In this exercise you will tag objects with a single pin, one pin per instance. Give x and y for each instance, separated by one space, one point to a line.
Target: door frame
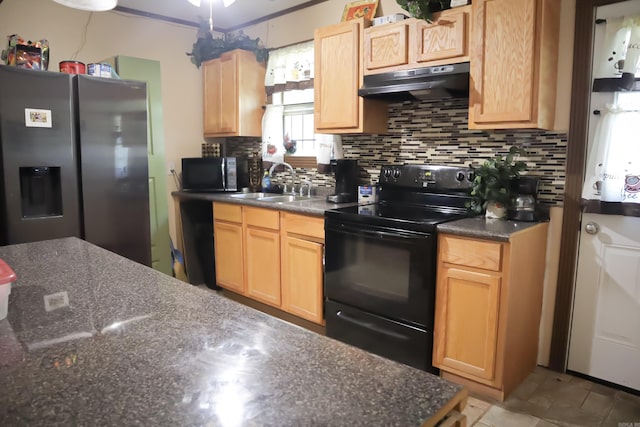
576 158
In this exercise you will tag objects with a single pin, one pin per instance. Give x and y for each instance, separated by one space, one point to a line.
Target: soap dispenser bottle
266 182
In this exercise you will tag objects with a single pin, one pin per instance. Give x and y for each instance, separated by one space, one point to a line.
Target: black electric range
380 261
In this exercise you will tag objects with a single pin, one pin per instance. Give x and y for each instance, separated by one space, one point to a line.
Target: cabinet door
302 278
466 323
220 95
229 255
502 60
444 38
212 87
229 94
386 46
263 265
337 76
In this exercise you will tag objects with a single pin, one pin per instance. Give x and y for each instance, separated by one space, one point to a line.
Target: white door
605 328
605 333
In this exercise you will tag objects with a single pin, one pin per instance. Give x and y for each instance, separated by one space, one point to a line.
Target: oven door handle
371 326
395 234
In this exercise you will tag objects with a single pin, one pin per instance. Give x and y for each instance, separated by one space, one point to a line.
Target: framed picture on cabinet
360 9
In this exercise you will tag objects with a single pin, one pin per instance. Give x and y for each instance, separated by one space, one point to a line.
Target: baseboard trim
282 315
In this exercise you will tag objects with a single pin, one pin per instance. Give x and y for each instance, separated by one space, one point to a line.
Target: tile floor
547 398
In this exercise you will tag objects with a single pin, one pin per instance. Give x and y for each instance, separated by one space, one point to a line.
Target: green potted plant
491 188
207 47
422 9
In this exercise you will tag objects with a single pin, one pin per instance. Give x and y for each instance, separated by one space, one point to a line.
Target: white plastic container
389 19
367 194
7 276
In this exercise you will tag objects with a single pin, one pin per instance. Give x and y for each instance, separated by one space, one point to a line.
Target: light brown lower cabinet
488 307
275 257
229 247
261 228
302 272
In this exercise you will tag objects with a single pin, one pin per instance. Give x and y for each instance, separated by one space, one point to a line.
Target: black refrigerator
73 154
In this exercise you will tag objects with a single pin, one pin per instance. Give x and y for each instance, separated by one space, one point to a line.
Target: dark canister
255 172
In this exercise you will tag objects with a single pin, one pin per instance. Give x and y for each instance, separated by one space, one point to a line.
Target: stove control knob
471 176
460 176
387 173
396 173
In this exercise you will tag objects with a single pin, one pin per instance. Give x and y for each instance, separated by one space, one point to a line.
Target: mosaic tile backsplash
436 132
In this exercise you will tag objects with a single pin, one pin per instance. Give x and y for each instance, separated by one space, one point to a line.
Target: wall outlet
171 166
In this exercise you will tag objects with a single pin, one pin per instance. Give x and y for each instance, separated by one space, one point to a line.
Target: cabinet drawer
471 253
264 218
226 212
303 225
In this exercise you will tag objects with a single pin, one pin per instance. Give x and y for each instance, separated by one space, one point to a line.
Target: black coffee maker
347 178
525 206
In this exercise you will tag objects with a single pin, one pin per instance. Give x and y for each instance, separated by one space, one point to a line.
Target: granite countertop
315 206
481 227
95 339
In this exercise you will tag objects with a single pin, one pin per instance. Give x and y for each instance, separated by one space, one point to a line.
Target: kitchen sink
252 195
275 198
287 198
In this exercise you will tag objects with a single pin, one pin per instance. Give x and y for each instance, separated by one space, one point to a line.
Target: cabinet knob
592 228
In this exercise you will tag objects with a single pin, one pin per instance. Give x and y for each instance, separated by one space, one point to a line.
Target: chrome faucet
306 182
293 175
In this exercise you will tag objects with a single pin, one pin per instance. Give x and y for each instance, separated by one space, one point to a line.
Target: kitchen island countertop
95 339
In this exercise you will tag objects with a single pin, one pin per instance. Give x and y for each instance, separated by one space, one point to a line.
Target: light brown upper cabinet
338 76
514 57
415 43
234 95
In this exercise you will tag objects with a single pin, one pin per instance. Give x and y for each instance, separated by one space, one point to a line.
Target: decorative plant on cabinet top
422 9
207 47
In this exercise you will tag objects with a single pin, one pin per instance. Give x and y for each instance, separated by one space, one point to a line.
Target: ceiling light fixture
197 3
89 5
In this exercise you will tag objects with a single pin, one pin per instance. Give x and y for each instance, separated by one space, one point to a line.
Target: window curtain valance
290 68
612 182
621 48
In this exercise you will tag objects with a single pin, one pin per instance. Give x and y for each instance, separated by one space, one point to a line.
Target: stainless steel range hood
445 81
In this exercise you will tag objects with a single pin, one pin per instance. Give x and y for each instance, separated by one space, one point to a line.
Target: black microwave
209 174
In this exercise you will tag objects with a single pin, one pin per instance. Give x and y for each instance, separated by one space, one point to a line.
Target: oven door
382 270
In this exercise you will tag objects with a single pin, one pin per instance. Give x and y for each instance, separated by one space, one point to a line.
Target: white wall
299 26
